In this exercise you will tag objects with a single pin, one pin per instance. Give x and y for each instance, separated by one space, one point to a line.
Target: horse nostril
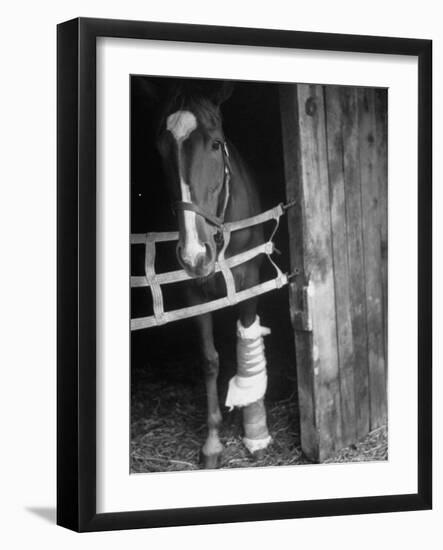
180 256
210 252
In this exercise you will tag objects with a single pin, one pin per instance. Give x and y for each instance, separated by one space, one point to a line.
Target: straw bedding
168 426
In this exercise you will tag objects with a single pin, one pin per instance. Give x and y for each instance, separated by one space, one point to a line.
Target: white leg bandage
248 387
254 424
249 384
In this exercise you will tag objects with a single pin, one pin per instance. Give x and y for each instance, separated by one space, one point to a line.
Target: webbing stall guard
224 265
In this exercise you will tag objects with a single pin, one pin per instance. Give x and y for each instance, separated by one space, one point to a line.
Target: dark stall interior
168 393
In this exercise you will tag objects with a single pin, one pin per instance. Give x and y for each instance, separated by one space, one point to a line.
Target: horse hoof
258 455
257 447
210 462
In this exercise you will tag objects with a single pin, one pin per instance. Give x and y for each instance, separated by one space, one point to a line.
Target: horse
209 184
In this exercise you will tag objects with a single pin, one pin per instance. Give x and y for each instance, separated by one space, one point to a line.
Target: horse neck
244 199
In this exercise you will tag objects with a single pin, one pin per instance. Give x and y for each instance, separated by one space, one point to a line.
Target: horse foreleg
213 447
256 434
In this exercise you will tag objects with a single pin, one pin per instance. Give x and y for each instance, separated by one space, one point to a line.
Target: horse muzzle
197 263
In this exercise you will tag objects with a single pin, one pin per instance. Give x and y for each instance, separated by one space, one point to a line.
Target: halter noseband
214 220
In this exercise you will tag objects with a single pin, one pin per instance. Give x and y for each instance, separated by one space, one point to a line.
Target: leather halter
214 220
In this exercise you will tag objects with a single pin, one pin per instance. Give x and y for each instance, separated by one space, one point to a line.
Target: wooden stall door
336 170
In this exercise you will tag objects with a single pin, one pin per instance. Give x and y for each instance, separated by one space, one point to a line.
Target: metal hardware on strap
288 205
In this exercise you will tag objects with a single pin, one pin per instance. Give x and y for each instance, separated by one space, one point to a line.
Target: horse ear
224 92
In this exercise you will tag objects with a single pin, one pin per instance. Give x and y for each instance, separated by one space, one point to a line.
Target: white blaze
181 124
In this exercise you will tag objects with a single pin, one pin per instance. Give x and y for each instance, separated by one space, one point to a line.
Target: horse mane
243 182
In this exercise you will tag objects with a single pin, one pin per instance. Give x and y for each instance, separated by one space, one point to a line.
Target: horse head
196 161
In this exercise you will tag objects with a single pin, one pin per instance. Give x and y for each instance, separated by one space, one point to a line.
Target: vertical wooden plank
372 257
335 118
318 266
297 288
381 120
357 287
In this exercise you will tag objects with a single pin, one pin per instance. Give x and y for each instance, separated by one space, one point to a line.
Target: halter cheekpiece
215 220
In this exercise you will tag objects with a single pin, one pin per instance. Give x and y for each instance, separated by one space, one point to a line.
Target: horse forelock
207 114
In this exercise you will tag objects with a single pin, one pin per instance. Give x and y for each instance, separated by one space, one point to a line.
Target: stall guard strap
167 236
192 311
180 274
223 265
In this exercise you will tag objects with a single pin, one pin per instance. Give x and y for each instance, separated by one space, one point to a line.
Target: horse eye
215 145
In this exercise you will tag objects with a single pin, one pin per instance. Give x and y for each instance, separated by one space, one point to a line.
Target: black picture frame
76 296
